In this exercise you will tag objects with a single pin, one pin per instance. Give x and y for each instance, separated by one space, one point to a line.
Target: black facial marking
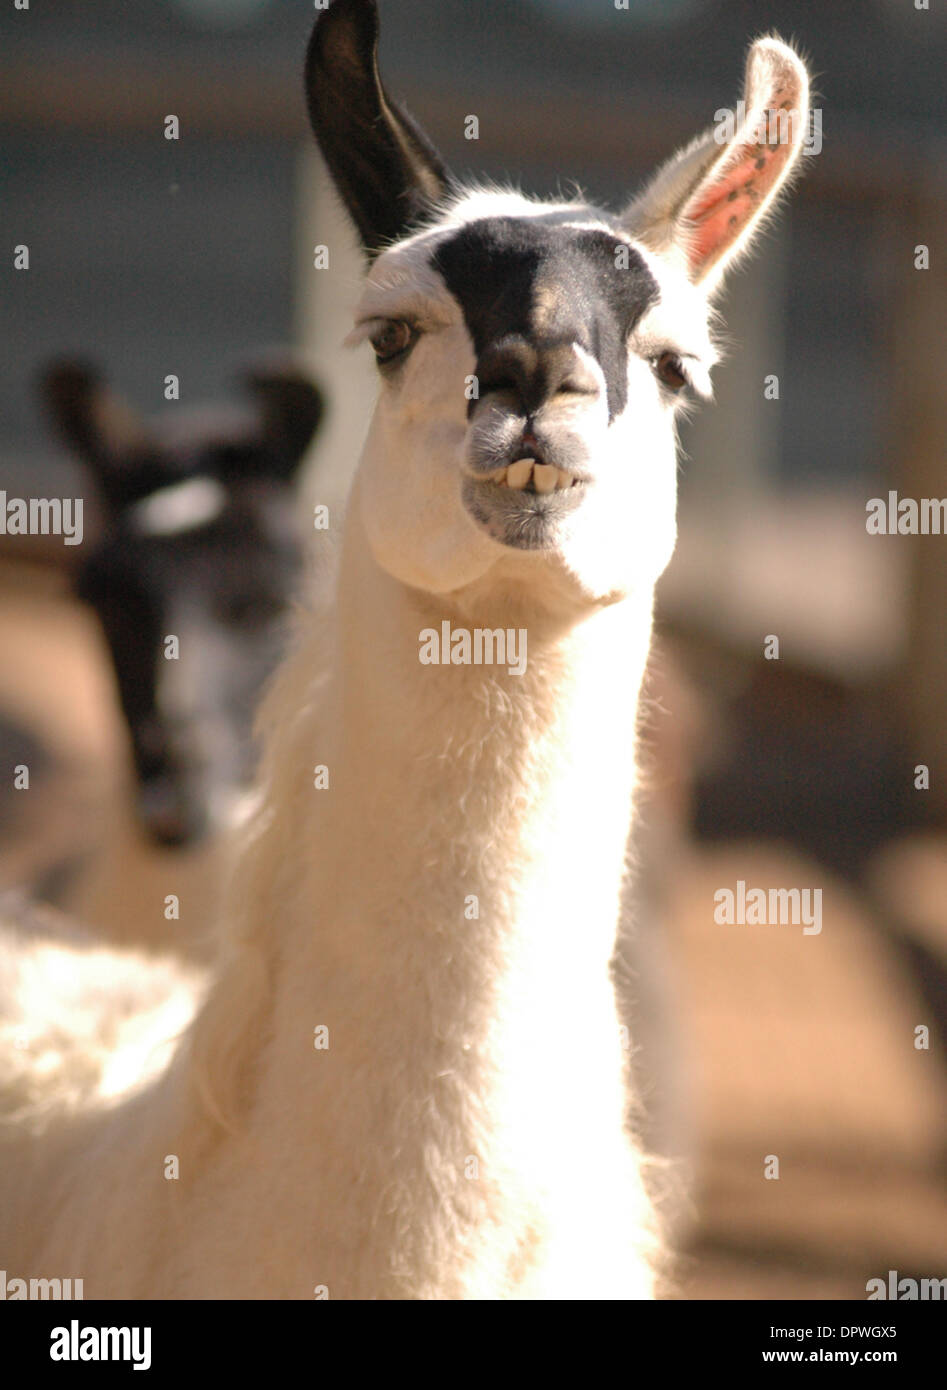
547 286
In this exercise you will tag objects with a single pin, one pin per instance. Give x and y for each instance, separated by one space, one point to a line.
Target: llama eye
393 338
670 371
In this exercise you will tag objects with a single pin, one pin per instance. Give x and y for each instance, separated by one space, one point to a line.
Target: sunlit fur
462 1135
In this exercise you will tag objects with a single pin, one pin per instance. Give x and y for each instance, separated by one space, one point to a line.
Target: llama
408 1078
199 540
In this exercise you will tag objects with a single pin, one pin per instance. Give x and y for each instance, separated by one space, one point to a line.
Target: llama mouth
525 513
530 474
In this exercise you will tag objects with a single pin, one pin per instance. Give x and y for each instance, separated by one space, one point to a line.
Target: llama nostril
529 448
534 374
170 816
578 386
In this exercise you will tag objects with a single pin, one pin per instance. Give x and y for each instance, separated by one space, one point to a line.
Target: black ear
104 433
291 410
383 165
86 415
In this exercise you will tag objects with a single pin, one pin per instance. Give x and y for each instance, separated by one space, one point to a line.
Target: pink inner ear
729 203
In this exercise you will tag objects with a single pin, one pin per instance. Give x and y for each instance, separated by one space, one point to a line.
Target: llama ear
384 167
291 409
705 206
96 425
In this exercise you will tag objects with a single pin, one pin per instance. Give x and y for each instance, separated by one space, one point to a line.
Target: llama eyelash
696 377
362 331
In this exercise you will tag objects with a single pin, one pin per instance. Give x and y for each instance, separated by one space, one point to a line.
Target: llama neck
458 910
454 781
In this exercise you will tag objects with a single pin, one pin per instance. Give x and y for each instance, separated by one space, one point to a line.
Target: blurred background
188 257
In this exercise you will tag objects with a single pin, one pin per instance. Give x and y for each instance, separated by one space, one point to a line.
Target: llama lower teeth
545 477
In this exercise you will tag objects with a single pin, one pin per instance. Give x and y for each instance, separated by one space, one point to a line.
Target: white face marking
680 322
181 507
404 286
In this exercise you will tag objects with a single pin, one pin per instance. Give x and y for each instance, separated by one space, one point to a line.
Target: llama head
533 356
198 543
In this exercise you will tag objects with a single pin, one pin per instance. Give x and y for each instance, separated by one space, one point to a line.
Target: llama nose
172 815
532 373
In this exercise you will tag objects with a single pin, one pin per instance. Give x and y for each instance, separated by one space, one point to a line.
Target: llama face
531 362
191 594
533 355
190 579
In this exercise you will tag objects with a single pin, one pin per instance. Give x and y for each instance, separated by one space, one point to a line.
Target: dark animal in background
199 542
